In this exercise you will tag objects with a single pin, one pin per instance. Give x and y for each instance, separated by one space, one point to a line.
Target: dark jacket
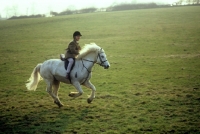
73 50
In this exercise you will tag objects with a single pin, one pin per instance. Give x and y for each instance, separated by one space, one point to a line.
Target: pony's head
100 57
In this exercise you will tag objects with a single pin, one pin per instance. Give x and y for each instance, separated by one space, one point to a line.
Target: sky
9 8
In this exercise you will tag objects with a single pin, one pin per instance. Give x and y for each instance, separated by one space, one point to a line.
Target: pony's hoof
71 95
59 104
89 100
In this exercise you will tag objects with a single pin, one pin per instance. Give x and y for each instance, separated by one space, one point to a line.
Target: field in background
152 86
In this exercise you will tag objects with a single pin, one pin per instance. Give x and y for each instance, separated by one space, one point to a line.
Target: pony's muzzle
106 66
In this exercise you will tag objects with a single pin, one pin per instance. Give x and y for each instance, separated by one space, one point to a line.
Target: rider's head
77 35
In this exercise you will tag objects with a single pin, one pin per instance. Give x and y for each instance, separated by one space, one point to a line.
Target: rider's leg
71 61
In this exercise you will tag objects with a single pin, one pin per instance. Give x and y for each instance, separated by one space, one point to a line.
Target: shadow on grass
43 120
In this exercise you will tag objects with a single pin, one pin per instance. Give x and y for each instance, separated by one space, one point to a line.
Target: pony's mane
92 47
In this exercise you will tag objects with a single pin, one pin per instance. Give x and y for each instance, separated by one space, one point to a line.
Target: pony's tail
34 79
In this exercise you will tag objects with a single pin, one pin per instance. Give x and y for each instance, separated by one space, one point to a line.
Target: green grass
152 86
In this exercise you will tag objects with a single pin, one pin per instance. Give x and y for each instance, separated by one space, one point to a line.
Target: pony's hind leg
56 85
50 91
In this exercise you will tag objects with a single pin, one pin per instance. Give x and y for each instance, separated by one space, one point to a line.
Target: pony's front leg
79 89
92 87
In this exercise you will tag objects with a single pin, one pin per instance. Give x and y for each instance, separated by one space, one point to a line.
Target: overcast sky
27 7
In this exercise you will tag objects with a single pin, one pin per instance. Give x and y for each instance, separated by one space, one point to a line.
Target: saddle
62 57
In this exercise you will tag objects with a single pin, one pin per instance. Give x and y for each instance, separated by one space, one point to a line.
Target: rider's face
77 38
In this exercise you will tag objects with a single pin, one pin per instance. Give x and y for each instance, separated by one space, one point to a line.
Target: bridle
98 56
101 64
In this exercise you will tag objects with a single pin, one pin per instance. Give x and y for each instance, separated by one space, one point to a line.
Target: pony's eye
102 56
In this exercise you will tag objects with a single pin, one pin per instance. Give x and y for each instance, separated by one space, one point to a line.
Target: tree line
181 2
118 7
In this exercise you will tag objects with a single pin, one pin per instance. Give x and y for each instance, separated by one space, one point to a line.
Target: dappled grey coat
73 50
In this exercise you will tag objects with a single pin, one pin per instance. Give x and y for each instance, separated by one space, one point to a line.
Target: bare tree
15 10
196 1
189 1
180 2
53 13
8 11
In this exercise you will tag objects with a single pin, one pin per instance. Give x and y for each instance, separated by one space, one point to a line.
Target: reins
87 68
93 64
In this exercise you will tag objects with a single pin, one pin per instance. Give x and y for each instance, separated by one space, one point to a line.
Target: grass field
152 86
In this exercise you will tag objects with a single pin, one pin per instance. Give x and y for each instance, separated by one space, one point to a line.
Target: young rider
72 51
